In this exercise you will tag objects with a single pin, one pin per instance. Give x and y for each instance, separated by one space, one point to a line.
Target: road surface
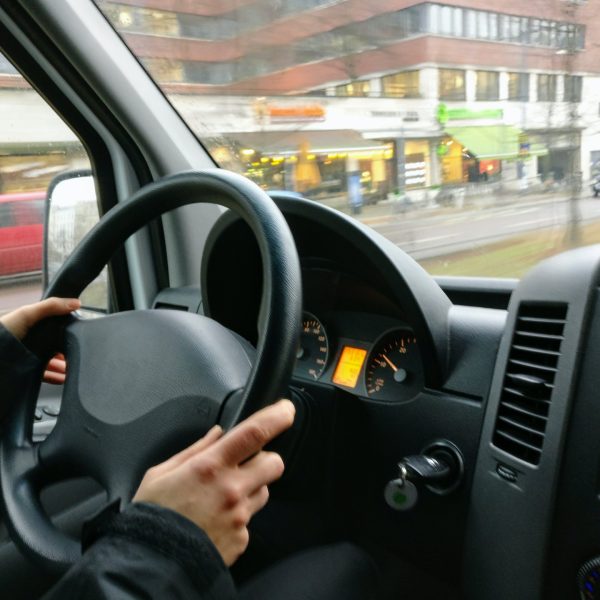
444 231
19 293
423 233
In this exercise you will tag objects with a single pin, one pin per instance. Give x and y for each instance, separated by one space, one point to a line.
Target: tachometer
313 351
394 370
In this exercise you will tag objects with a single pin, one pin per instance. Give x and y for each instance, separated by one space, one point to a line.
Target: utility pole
572 92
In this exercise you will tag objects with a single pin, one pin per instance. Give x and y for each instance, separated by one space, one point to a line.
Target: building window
470 24
483 30
164 70
355 89
544 37
514 31
401 85
452 84
518 86
546 88
141 20
488 85
494 26
445 20
573 84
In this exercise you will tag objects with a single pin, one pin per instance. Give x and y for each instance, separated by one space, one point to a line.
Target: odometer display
313 351
394 370
349 366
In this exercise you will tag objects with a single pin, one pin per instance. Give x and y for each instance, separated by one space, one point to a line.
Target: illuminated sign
445 114
349 366
309 112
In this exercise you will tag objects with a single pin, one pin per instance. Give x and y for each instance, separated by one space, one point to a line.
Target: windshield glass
465 132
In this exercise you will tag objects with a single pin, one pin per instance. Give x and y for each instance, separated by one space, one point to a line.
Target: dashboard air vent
529 380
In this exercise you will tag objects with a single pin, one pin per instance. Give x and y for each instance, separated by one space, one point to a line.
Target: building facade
391 95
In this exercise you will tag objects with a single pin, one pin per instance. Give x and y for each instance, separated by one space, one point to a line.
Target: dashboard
387 367
385 356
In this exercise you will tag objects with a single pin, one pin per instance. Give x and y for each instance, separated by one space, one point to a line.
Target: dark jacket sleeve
18 366
147 552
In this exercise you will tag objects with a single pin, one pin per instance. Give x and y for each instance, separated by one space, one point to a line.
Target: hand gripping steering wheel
143 384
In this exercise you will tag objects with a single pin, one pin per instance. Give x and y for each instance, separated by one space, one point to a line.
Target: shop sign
445 114
279 113
406 115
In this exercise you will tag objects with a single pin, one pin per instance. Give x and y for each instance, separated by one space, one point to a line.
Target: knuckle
240 518
150 474
232 495
206 470
256 434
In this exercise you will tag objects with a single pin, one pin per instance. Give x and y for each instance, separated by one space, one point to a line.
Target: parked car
21 233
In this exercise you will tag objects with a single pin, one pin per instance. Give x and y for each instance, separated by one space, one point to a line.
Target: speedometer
313 351
394 370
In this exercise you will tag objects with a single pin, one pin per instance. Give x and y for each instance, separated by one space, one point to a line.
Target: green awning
498 142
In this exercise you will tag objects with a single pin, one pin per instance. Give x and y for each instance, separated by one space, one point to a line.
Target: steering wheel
143 384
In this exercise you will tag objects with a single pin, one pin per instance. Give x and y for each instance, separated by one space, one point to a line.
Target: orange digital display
349 366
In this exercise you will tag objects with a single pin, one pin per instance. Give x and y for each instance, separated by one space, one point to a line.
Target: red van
21 232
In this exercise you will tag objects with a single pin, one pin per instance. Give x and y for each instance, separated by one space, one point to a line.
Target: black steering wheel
144 384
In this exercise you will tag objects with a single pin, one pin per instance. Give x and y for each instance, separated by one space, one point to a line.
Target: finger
260 470
249 436
51 307
258 500
211 437
20 321
56 370
54 378
57 365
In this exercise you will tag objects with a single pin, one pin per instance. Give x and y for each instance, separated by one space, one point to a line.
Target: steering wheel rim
22 470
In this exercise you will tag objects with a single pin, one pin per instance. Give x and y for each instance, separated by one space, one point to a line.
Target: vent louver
529 380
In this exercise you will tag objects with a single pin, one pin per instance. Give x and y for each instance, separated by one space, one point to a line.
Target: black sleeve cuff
13 351
170 534
18 366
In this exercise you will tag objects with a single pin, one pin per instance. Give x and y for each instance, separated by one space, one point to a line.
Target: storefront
563 156
476 154
481 154
317 163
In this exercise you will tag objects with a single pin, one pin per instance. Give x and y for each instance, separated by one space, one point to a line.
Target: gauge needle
389 362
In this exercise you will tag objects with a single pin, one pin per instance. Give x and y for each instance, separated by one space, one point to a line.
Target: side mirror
71 211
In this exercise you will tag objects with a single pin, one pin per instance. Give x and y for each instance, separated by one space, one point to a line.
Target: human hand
221 481
56 370
20 321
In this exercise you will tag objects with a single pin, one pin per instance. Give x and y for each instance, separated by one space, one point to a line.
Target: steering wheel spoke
21 478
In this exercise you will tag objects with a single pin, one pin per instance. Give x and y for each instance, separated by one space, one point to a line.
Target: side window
36 146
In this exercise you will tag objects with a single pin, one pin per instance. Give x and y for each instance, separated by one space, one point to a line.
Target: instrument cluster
357 355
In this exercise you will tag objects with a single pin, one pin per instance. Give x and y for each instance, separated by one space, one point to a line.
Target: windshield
468 137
